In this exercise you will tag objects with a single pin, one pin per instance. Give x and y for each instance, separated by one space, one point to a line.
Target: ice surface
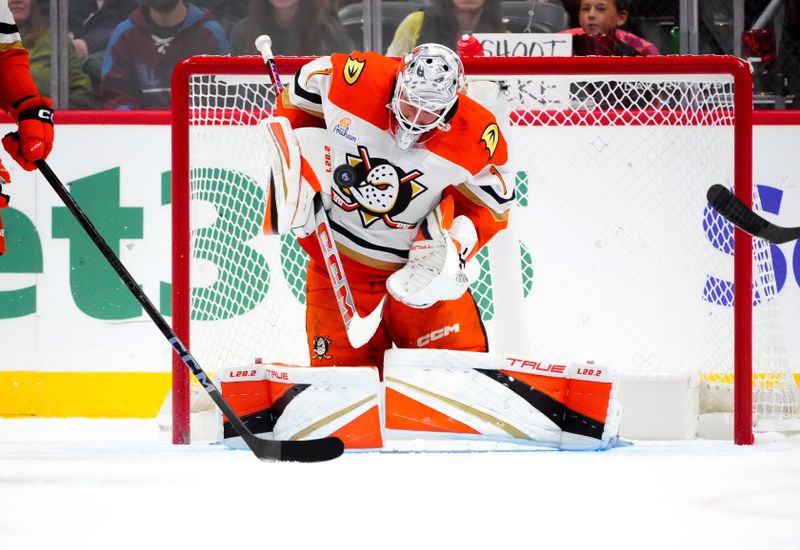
116 484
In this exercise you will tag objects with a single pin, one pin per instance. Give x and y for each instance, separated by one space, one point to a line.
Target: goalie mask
425 93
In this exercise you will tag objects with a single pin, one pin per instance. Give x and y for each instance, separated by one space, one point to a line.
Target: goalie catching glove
436 267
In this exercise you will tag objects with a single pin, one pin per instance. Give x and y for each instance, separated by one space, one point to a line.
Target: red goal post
197 80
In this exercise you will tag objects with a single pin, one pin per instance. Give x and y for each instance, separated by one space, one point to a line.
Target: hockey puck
344 176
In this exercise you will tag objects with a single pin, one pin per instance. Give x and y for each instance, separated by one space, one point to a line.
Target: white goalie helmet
429 79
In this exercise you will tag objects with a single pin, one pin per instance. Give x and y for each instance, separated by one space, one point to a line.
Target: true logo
352 70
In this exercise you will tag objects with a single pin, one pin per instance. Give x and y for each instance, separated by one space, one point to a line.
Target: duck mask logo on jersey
491 137
321 345
376 188
352 70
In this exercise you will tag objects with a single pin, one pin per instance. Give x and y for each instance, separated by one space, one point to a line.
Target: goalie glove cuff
33 108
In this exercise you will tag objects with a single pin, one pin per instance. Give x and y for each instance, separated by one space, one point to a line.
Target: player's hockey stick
359 329
314 450
734 210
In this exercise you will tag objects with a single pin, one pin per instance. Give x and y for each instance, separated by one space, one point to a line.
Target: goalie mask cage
612 254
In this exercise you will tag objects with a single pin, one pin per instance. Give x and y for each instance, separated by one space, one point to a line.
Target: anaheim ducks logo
376 188
321 345
352 70
491 137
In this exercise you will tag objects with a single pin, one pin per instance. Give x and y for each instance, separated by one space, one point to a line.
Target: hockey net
612 256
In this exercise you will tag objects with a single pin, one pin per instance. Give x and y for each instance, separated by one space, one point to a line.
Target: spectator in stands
226 12
91 24
445 22
35 33
146 47
297 27
789 52
600 33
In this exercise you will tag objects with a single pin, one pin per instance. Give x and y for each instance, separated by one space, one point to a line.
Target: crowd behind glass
118 54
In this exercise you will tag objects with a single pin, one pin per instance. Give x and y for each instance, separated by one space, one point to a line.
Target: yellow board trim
83 394
765 380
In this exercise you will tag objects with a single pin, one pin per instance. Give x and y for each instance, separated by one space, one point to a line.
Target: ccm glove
34 139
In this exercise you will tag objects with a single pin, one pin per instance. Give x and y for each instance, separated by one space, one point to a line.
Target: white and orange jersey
376 219
9 34
15 80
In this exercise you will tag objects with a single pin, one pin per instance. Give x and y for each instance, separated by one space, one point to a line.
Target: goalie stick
314 450
359 329
735 211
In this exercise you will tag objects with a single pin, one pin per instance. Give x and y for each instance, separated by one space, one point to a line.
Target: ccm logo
536 365
346 306
437 334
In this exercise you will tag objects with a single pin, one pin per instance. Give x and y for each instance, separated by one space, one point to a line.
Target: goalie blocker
296 157
429 393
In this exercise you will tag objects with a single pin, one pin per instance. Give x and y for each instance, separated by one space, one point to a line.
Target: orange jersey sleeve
474 139
302 98
488 221
475 142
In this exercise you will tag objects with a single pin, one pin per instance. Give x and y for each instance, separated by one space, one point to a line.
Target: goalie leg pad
500 397
297 403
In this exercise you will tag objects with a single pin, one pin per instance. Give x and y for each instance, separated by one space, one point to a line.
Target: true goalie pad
297 160
499 397
296 403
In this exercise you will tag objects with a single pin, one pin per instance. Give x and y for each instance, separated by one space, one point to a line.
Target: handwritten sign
531 93
525 44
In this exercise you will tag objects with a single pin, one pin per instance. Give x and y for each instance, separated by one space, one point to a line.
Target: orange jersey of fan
376 219
16 83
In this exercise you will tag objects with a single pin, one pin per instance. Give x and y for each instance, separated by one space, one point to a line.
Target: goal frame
494 66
